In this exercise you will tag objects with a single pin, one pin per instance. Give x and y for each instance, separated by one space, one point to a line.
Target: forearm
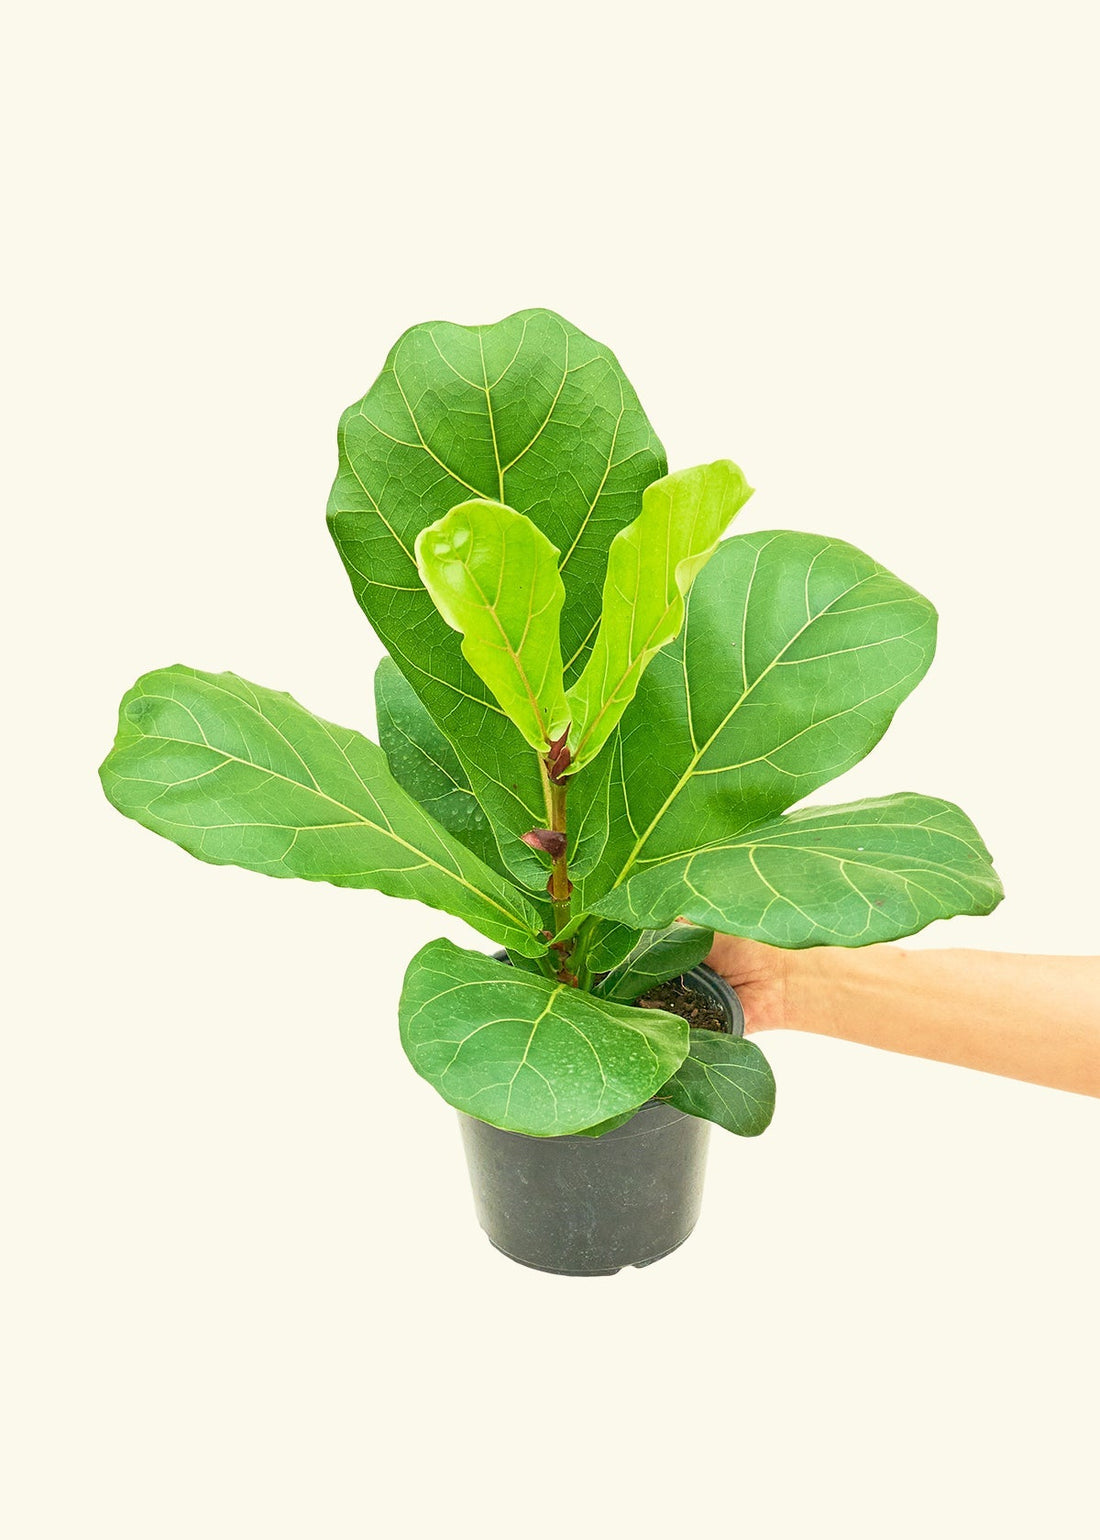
1031 1018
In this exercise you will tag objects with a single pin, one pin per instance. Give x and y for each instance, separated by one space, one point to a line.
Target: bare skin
1030 1018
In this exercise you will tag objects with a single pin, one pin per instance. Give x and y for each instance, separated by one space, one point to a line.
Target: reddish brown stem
559 886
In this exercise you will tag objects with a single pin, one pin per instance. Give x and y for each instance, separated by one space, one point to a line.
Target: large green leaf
526 1053
243 776
795 653
493 576
424 763
726 1080
532 413
651 566
841 876
658 955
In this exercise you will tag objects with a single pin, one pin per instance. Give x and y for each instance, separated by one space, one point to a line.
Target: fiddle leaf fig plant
595 715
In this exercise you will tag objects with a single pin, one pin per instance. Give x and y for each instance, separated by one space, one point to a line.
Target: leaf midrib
356 816
746 692
490 608
611 697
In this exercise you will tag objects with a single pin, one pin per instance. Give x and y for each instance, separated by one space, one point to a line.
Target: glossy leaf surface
239 775
842 876
795 653
422 761
609 943
493 576
659 955
651 567
526 1053
726 1080
529 412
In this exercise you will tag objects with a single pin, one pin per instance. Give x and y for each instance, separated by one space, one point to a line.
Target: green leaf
651 566
493 576
546 965
795 653
608 943
607 1125
841 876
529 1054
242 776
424 763
726 1080
529 412
659 955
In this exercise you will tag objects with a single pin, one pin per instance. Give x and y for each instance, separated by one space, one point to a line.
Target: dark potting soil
682 1000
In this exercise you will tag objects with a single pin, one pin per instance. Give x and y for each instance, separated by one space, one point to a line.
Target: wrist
827 985
807 989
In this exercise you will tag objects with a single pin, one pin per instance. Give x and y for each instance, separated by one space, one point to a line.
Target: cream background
853 246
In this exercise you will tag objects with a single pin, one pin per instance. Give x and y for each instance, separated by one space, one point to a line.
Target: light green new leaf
243 776
658 956
526 1053
651 566
529 412
796 651
493 576
424 763
841 876
726 1080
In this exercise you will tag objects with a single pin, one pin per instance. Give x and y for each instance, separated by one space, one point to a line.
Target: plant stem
560 886
579 955
571 929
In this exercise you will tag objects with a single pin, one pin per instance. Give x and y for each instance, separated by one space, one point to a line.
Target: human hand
762 977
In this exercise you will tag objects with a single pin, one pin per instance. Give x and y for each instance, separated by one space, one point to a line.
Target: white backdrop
855 248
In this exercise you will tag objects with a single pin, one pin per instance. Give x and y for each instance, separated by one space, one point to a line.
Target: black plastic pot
590 1207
